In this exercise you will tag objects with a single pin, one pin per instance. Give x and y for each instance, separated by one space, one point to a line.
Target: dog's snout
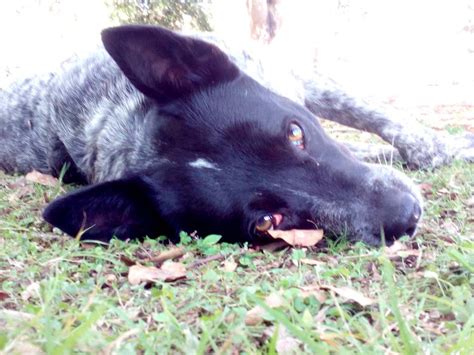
405 221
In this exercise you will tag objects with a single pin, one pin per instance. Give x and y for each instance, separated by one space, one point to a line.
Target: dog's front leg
418 146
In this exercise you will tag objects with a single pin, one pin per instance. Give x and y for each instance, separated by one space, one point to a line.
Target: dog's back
66 117
25 126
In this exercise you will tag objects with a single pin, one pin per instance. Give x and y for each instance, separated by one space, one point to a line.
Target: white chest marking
203 164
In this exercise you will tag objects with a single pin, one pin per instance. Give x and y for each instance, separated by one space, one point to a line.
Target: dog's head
232 158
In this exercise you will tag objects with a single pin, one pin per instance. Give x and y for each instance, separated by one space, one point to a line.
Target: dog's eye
268 222
264 223
295 135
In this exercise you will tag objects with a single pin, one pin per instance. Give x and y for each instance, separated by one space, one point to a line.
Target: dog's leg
418 146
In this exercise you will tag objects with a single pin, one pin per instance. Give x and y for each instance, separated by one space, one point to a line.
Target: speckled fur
58 120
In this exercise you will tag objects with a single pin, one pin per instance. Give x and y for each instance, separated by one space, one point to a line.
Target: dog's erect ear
122 208
165 65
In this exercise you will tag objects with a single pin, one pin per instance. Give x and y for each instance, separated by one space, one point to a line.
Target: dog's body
175 137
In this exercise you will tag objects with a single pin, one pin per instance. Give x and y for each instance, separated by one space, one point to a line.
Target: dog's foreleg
418 146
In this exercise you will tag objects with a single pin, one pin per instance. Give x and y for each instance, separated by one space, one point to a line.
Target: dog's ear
122 208
165 65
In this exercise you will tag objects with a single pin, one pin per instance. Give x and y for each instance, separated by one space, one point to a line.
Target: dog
172 136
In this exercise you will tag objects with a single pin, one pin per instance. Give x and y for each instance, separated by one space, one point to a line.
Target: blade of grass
292 328
410 345
79 331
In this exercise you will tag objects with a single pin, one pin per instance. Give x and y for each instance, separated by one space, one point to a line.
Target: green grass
60 297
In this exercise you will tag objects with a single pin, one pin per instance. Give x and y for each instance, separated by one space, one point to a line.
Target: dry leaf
329 338
274 300
230 265
313 290
299 237
174 268
400 250
4 296
426 189
255 315
20 182
20 192
351 294
42 179
170 271
32 290
110 279
285 343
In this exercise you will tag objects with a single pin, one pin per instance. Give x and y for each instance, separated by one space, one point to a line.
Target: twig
201 262
117 342
167 255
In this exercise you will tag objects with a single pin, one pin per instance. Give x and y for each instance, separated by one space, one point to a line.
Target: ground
59 296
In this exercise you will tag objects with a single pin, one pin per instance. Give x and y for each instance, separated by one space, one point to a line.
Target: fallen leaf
426 189
230 265
443 191
42 179
32 290
329 338
174 268
274 300
400 250
4 296
255 315
170 271
21 192
285 343
20 182
351 295
299 237
313 290
110 279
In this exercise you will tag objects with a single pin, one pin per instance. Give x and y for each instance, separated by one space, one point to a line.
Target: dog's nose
405 221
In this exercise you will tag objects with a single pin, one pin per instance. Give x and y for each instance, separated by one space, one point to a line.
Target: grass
58 296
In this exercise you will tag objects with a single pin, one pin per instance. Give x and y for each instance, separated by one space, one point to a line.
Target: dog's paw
431 151
423 151
463 147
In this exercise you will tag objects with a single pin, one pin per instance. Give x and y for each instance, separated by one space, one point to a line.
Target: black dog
173 136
